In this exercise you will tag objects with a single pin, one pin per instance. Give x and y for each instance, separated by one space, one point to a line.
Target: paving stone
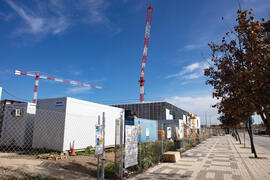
216 158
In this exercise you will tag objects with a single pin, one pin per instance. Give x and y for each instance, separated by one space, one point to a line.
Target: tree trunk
266 123
238 136
234 135
249 129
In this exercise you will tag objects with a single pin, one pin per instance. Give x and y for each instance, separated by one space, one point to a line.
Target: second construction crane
38 76
145 49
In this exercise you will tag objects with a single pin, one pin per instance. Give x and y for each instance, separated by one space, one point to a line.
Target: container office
60 121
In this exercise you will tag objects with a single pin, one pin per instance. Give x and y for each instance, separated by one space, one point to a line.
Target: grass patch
252 157
109 150
88 151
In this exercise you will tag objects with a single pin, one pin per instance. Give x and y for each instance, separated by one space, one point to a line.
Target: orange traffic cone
72 151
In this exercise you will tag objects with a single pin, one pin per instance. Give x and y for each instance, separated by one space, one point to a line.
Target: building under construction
154 111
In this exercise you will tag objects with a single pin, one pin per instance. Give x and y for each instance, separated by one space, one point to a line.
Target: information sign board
131 146
99 140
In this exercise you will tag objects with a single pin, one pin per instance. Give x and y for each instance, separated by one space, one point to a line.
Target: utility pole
121 148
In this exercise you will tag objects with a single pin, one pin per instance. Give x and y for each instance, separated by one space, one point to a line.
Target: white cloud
56 16
197 105
192 71
185 70
192 76
35 23
78 90
192 67
190 47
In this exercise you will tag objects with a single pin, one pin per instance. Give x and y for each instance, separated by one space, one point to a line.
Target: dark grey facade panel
154 111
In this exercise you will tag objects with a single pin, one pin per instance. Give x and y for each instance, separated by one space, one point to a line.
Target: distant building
5 102
3 105
154 111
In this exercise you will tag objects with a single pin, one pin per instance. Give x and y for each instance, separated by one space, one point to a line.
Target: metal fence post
140 144
121 148
162 139
103 150
98 168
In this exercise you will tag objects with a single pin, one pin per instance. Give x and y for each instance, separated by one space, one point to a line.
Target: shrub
170 146
109 171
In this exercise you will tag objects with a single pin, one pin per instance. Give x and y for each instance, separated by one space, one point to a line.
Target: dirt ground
6 174
85 164
21 166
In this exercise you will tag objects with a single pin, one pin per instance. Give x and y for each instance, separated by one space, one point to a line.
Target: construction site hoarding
148 128
174 129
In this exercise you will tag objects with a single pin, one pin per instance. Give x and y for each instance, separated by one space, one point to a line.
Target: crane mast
145 49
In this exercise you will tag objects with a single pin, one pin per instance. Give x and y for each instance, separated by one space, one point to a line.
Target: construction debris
52 156
171 156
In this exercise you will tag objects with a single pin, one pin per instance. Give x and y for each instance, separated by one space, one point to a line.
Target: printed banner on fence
147 133
169 132
99 140
131 147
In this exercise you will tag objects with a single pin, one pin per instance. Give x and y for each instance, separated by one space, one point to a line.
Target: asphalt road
262 141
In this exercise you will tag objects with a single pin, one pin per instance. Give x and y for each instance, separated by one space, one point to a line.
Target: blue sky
101 42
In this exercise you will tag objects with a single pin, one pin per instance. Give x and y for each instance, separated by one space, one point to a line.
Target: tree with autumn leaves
240 71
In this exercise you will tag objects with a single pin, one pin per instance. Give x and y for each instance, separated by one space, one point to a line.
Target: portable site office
76 120
60 121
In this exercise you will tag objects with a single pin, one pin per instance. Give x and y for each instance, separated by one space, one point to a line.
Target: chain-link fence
36 146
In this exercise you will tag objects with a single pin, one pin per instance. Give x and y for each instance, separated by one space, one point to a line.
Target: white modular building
61 121
0 93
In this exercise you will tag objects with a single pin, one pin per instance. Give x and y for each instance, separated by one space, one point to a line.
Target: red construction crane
145 49
37 76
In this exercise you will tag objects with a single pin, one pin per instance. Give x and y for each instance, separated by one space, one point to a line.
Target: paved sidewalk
218 158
